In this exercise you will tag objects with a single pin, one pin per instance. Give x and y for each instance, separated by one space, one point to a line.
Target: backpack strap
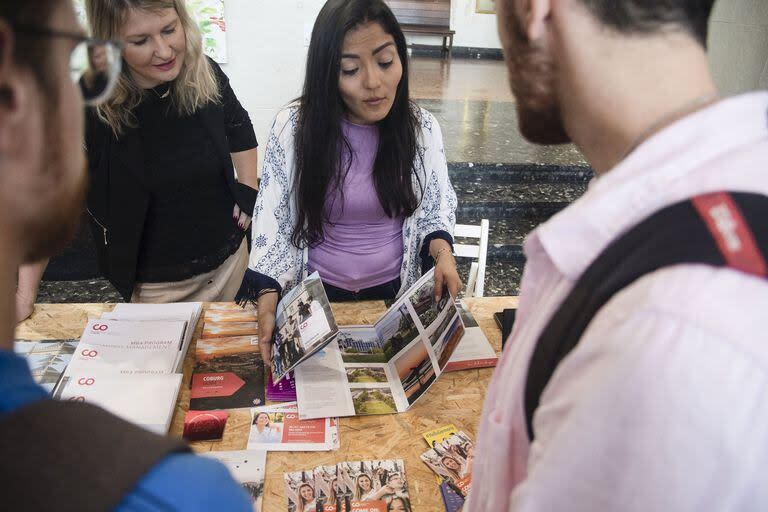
719 229
70 456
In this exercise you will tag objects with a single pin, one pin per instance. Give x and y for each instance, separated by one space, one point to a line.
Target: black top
189 229
125 184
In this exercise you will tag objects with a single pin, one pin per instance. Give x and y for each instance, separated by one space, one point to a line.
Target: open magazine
304 323
382 368
363 486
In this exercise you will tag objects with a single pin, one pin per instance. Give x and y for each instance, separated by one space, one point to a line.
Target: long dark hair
319 137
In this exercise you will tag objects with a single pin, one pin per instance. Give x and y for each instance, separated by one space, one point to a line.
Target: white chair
476 280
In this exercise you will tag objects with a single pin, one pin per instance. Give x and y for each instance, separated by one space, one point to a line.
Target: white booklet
278 428
386 367
145 400
188 312
128 347
248 468
474 351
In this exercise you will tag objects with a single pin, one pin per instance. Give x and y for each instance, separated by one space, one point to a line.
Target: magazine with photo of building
474 350
47 359
386 367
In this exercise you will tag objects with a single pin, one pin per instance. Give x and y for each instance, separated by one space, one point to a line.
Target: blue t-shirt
178 482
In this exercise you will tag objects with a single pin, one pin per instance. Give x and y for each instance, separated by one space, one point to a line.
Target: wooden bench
425 17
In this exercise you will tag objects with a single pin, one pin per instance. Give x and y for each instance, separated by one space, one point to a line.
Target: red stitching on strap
731 233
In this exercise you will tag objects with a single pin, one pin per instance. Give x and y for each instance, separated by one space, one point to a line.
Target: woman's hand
242 219
266 310
445 268
24 306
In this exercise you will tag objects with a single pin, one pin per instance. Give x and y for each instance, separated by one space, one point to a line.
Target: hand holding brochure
386 367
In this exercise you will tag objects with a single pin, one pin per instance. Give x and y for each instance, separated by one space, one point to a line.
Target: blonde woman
167 211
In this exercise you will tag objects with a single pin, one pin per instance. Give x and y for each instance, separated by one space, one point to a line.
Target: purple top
362 247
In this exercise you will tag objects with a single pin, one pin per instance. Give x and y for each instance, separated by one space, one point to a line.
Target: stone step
518 173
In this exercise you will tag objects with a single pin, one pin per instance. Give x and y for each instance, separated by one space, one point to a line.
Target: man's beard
532 78
57 222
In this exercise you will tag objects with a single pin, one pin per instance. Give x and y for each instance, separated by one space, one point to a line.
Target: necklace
671 117
163 94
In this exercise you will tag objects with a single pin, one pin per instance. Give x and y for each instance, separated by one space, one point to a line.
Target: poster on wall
210 18
486 7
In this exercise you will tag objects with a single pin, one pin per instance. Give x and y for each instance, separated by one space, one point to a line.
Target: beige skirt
218 285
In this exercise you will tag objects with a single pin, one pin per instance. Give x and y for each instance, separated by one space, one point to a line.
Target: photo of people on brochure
376 483
329 498
384 368
267 428
300 490
304 324
278 428
452 459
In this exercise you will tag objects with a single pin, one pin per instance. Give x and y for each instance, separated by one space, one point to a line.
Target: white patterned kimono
273 255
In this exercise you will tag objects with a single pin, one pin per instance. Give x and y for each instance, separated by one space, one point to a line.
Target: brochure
47 359
474 350
145 400
304 323
452 460
187 312
228 329
384 368
278 428
248 468
282 391
128 347
228 374
225 312
363 486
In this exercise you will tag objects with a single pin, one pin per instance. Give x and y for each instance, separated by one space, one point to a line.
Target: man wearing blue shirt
42 184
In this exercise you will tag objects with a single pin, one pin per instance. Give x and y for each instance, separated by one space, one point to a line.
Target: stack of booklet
451 458
129 362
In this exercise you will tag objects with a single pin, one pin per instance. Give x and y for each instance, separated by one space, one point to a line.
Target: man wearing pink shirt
662 404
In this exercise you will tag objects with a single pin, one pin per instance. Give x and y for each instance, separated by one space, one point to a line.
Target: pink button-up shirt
663 405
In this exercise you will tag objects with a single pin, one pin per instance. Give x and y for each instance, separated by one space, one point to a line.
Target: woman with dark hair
355 183
399 505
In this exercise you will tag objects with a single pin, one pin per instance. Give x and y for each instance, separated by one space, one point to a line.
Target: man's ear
12 93
535 14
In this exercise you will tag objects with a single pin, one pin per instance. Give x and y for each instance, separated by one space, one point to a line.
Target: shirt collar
649 179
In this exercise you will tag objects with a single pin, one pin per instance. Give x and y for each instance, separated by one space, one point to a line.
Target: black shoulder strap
70 456
718 229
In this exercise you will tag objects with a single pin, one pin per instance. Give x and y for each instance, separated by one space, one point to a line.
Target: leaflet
474 350
187 312
278 428
304 323
145 400
47 359
228 374
452 459
128 347
248 468
363 486
384 368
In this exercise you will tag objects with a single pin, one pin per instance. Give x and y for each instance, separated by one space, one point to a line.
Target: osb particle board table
455 397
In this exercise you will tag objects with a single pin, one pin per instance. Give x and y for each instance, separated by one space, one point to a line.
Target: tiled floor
497 175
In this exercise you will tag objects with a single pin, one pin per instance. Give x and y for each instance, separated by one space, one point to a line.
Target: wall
472 29
267 48
738 45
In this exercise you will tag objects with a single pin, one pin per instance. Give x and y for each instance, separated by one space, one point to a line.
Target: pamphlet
47 359
225 312
452 460
247 468
384 368
228 329
228 374
145 400
282 391
304 324
278 428
363 486
474 350
128 347
187 312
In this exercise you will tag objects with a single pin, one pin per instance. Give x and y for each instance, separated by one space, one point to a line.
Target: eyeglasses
94 64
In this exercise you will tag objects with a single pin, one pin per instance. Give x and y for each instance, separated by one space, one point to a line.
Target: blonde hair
196 84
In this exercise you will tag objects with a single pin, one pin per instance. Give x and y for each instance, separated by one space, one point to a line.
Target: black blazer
118 198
